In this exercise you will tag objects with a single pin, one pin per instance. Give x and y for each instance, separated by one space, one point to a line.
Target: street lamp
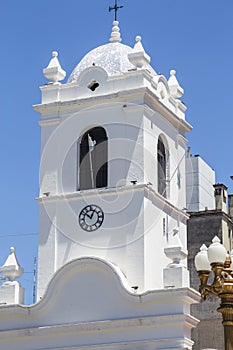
215 258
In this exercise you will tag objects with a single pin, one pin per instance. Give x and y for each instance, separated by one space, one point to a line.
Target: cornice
86 102
142 93
165 203
94 327
148 190
211 213
49 121
92 193
158 106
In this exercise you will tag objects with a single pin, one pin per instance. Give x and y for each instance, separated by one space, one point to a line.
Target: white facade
135 107
109 266
89 305
200 178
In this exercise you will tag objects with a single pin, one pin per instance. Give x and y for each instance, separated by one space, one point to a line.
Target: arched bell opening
163 168
93 162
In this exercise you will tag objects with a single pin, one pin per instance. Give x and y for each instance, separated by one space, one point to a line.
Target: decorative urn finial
53 72
11 269
138 57
176 90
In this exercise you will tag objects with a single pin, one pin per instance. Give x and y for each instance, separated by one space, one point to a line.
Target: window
162 168
93 85
93 165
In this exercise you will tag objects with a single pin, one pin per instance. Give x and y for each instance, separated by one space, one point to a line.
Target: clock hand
92 214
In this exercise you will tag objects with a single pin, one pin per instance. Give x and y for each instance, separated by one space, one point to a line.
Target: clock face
91 217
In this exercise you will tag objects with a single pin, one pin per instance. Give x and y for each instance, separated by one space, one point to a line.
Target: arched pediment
92 74
161 85
90 295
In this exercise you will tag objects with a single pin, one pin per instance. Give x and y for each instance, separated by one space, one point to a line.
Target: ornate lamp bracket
218 283
215 258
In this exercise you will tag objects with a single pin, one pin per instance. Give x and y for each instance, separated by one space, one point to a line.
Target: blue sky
193 37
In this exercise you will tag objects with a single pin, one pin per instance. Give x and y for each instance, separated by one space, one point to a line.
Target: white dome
112 57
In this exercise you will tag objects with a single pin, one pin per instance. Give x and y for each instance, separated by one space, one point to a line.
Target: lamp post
215 258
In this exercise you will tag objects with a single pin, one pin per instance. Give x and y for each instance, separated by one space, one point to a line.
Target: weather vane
115 8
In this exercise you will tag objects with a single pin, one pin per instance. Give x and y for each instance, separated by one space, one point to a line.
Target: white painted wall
132 235
135 111
200 178
89 304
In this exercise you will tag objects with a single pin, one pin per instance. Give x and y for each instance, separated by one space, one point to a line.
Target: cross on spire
115 8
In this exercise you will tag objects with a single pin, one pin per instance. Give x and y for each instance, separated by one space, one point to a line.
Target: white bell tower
112 176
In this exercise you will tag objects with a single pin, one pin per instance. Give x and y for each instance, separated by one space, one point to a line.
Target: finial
11 269
175 274
115 34
176 254
115 8
53 72
138 57
176 90
172 72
